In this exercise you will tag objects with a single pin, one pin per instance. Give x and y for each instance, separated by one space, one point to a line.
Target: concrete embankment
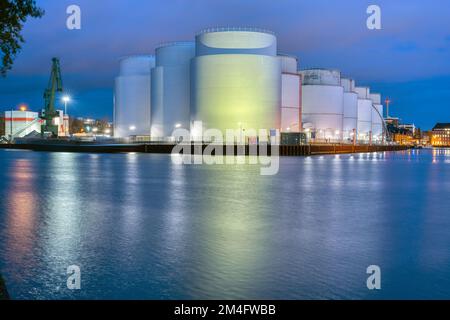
285 150
3 292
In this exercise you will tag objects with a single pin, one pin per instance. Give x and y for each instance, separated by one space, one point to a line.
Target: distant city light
95 130
178 125
23 108
132 128
107 131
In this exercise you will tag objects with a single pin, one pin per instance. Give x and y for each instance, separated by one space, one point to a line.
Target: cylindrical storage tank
364 119
291 117
236 41
363 92
375 97
289 64
132 97
171 89
348 84
236 81
377 122
321 77
350 125
323 103
377 117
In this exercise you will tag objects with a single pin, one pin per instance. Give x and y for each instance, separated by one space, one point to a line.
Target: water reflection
143 227
20 202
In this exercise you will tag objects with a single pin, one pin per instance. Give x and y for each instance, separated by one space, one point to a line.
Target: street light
65 99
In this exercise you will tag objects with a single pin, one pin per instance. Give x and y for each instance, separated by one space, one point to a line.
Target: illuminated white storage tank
377 117
289 64
171 89
350 124
321 77
364 113
236 80
132 98
323 103
291 116
348 84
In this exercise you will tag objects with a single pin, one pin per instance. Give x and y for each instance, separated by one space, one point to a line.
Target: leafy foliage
13 15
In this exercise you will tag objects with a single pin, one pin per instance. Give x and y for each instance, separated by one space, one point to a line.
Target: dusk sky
408 60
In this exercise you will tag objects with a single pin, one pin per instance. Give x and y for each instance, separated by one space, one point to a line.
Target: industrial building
235 78
23 123
19 124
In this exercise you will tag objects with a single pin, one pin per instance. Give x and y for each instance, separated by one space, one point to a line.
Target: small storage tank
350 125
321 77
363 92
323 103
364 113
348 84
377 117
291 114
132 97
236 80
171 89
289 64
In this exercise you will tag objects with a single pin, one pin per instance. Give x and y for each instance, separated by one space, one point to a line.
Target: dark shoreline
284 150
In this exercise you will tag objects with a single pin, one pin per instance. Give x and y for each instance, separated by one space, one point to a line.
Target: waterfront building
409 127
440 135
20 123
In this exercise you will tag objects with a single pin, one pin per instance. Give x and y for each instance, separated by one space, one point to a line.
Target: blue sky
409 59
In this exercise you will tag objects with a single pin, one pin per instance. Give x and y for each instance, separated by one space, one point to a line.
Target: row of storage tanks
235 79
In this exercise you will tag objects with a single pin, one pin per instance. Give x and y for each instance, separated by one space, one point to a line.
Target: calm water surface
141 227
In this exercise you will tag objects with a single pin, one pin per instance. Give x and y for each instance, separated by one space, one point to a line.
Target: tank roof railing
231 29
174 43
322 69
152 56
287 55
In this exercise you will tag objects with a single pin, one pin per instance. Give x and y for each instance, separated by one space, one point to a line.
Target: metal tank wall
132 97
171 89
289 64
377 114
291 117
323 103
364 113
236 81
348 84
319 76
350 123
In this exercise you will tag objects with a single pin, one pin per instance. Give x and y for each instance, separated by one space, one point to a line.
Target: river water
142 227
